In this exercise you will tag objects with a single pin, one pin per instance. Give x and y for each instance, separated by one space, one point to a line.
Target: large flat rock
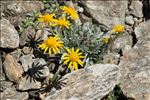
90 83
107 12
135 65
12 68
9 37
15 8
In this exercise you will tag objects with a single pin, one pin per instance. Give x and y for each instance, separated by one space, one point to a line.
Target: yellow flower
70 11
63 22
106 40
47 19
74 58
118 28
52 45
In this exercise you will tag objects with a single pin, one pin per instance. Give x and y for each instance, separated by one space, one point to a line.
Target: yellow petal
81 57
77 50
42 46
65 62
80 62
50 51
64 58
40 19
75 66
113 30
59 45
65 55
57 49
72 50
54 50
64 18
52 15
68 50
60 42
79 53
45 49
62 7
67 26
70 65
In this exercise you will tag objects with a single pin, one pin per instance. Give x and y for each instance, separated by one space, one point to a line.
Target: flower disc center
51 42
47 18
74 57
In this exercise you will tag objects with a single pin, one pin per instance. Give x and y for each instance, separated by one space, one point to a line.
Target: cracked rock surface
135 65
90 83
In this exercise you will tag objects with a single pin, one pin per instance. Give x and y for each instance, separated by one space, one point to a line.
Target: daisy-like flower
52 45
106 40
47 19
63 22
118 28
73 58
70 11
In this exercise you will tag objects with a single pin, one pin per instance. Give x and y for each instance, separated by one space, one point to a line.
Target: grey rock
48 79
90 83
42 96
33 94
26 61
84 18
136 22
12 69
121 41
51 66
16 21
62 70
5 85
129 29
24 36
16 54
12 94
129 20
2 77
44 70
27 83
136 8
107 12
9 37
27 50
111 58
8 92
135 66
38 65
142 29
127 12
15 7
